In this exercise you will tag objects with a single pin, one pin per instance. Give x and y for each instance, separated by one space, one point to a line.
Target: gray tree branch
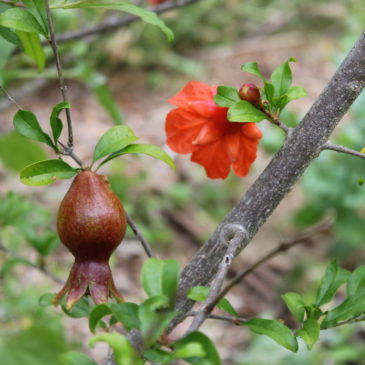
302 145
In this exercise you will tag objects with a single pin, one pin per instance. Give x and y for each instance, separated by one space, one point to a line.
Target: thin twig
61 79
69 152
10 98
235 320
139 235
359 318
234 243
43 270
342 149
285 246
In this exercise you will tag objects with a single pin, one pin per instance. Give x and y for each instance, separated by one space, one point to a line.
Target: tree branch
302 145
139 235
234 243
61 79
234 320
342 149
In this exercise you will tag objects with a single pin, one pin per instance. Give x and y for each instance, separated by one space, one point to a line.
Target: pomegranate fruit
251 93
91 223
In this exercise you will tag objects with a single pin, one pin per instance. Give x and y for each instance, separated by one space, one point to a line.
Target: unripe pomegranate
91 223
251 93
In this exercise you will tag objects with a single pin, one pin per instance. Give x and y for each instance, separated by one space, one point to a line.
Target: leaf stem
342 149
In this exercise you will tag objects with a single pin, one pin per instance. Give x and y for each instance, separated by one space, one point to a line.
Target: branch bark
302 145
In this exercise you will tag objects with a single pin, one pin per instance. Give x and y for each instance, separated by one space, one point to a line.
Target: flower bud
251 93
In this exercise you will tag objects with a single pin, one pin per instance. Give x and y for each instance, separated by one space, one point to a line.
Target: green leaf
97 314
281 77
38 9
126 313
295 92
310 332
27 152
226 96
124 353
107 101
55 121
10 36
243 111
46 172
46 299
200 293
160 277
274 329
21 19
211 354
146 149
333 278
79 310
26 124
295 304
253 68
125 6
32 47
76 358
154 317
350 308
114 140
191 349
356 281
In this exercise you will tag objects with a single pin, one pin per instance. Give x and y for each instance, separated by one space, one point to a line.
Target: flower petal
182 128
214 158
196 97
250 130
210 132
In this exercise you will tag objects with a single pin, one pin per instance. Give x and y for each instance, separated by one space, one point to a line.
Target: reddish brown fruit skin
156 2
251 93
91 223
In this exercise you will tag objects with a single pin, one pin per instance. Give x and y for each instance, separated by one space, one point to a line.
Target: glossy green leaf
226 96
10 36
20 19
97 314
189 350
274 329
281 77
80 310
126 313
145 149
26 124
154 315
56 122
160 277
114 140
125 6
243 111
350 308
200 293
158 356
295 304
356 281
253 68
46 299
295 92
46 172
27 152
310 332
38 9
333 278
76 358
211 356
32 47
124 353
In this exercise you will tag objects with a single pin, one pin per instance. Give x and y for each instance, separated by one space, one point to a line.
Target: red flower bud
251 93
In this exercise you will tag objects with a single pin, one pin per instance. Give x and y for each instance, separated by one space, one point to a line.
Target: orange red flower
200 127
